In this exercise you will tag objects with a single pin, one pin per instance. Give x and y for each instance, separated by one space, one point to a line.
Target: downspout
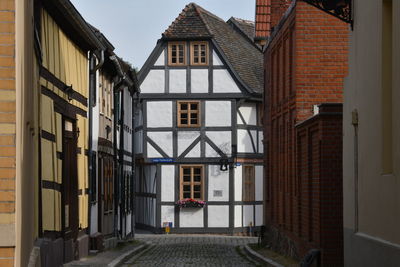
121 163
133 197
115 167
92 103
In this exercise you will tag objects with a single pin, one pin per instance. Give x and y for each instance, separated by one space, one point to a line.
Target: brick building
305 64
17 229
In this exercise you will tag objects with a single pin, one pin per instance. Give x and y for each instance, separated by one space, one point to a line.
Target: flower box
190 203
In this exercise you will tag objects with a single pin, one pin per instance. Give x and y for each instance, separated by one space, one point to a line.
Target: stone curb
261 258
116 262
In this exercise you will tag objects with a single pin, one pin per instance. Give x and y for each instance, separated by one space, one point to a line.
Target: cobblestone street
191 250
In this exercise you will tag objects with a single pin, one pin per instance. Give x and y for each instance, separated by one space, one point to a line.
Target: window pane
197 170
203 60
197 195
184 106
193 121
197 188
186 194
184 121
184 115
194 116
197 178
186 171
186 178
186 188
193 106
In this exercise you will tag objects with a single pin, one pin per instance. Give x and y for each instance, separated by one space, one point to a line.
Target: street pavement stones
191 250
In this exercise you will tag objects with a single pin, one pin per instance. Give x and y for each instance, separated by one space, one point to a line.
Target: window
198 53
176 54
248 183
188 113
191 182
108 184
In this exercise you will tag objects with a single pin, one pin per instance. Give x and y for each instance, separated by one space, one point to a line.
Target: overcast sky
134 26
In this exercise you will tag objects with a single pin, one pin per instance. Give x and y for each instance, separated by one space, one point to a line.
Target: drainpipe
92 103
116 169
133 168
121 164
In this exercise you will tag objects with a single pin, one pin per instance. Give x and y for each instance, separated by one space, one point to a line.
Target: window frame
191 183
192 44
248 196
170 63
189 112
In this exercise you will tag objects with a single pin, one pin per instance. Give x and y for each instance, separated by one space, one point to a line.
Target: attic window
198 53
176 53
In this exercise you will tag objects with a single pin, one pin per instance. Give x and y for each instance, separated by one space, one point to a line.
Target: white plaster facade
222 132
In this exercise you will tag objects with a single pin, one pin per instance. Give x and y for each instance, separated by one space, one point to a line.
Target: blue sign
162 160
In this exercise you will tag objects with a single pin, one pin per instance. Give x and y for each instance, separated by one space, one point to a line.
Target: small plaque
217 193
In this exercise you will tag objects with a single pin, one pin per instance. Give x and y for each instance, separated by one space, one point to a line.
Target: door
70 182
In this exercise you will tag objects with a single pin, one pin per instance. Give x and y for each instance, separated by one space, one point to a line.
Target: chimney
268 15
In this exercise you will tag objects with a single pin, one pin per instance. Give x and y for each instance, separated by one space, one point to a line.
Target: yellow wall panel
62 51
59 131
46 109
63 57
51 44
47 160
59 171
48 210
81 170
56 51
44 39
57 215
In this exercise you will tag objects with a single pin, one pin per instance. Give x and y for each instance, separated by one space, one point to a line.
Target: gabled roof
188 25
242 55
73 24
246 27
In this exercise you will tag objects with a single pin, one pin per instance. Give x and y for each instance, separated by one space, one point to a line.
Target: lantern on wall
338 8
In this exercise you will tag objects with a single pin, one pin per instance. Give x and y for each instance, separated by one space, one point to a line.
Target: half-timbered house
65 45
198 127
111 163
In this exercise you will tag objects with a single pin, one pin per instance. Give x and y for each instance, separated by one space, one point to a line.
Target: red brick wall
321 58
7 123
306 62
320 197
278 8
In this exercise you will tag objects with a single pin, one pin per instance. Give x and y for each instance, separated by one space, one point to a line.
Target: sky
134 26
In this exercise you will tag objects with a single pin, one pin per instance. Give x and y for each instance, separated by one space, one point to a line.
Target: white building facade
198 131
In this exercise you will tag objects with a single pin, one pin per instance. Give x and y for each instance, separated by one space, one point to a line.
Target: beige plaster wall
375 213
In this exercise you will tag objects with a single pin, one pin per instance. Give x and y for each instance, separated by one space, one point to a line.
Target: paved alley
191 250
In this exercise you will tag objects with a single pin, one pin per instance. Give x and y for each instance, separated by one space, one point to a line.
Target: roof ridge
200 10
242 20
183 14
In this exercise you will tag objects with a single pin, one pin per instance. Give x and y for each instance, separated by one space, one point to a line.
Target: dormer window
198 53
176 54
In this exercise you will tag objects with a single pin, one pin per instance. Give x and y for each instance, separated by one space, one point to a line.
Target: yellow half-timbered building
66 45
